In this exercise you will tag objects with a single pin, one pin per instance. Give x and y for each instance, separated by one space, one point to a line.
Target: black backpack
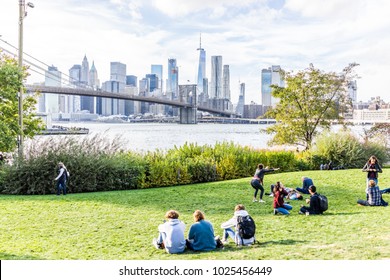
246 227
323 202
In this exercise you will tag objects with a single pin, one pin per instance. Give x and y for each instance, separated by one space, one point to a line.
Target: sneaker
225 241
254 200
156 244
300 212
275 212
271 194
261 201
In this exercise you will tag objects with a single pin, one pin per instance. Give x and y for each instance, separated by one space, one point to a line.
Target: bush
98 165
344 149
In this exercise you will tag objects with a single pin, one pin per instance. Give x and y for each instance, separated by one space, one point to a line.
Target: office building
215 90
173 79
201 67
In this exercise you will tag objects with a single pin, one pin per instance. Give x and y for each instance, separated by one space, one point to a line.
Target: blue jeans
228 232
306 191
257 186
161 237
284 210
61 186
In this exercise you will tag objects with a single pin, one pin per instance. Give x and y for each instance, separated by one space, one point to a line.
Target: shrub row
96 165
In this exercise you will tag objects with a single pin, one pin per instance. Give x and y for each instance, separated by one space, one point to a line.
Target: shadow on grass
5 256
282 242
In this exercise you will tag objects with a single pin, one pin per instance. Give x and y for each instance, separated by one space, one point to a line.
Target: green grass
120 225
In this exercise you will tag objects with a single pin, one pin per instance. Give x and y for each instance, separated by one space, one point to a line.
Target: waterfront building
153 82
372 115
215 90
173 79
253 111
201 67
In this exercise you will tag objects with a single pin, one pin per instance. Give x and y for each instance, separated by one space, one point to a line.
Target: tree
11 79
311 100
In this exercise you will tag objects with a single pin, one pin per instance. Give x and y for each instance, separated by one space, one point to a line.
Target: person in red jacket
279 205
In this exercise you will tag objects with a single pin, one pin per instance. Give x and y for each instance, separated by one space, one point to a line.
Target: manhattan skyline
249 35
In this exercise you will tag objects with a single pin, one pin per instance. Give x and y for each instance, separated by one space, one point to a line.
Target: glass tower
201 67
215 90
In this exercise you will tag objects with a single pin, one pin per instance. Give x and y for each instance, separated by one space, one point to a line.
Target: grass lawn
120 225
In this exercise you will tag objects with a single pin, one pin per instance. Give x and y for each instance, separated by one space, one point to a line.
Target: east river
151 136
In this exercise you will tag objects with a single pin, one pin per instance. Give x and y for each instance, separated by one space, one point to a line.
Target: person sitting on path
201 234
306 183
279 205
171 234
314 203
257 181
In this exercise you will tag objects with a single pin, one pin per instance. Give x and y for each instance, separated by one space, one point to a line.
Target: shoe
271 194
301 213
156 244
261 201
254 200
225 241
275 212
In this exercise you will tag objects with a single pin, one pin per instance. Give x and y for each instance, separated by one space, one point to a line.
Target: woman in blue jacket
201 234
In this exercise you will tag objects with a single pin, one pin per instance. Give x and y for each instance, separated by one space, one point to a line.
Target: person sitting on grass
279 205
171 234
201 234
314 203
374 196
306 183
230 226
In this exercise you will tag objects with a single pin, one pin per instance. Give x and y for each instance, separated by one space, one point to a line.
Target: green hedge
97 165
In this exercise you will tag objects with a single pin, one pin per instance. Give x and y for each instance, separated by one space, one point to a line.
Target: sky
250 35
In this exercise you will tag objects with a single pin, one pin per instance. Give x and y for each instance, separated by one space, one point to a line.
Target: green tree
11 79
311 100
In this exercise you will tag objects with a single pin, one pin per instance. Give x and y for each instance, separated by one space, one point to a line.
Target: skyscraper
226 82
215 90
173 79
201 66
270 76
93 77
158 70
84 75
52 79
241 100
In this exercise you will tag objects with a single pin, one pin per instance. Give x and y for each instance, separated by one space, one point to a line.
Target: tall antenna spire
200 43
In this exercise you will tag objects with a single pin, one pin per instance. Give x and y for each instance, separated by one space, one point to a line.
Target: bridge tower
188 95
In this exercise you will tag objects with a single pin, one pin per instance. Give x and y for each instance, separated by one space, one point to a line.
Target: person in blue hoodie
171 234
201 234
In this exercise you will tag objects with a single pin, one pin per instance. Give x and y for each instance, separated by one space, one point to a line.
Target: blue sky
250 35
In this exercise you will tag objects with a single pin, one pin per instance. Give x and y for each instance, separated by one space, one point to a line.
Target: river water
151 136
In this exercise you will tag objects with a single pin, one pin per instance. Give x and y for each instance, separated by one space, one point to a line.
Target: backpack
323 202
246 227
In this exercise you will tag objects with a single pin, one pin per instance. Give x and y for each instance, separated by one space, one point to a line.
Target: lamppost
22 15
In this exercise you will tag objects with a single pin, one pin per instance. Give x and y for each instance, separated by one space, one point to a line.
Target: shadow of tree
281 242
6 256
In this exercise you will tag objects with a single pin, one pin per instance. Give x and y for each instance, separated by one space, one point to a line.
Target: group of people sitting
201 235
279 192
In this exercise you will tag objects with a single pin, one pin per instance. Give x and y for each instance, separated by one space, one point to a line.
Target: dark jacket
372 174
314 207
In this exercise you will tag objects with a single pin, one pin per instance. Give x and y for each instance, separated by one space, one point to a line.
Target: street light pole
22 15
20 61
